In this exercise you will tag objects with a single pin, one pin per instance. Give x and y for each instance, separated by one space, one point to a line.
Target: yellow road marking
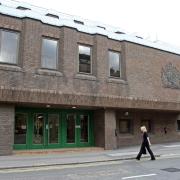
55 167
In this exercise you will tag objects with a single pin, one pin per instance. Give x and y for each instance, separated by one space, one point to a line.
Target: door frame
62 128
78 142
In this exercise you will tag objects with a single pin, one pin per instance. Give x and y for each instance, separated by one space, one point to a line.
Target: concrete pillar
6 129
110 127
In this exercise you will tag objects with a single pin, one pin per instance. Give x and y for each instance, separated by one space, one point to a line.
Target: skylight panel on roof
22 8
139 37
101 27
52 15
9 7
79 22
119 32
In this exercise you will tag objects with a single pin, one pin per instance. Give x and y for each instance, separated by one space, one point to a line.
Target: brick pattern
144 67
141 65
159 121
110 128
99 130
6 129
10 23
140 88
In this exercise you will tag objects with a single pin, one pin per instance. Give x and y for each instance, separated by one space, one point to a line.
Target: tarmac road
106 165
164 168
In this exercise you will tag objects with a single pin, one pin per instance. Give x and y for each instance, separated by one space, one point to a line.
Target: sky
155 20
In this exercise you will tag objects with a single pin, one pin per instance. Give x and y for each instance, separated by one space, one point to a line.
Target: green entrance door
77 126
42 129
45 131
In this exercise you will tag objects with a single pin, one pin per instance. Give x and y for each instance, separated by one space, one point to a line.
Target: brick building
69 82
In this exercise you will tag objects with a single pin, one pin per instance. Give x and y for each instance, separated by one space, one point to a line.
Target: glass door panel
71 122
38 129
53 124
20 128
84 121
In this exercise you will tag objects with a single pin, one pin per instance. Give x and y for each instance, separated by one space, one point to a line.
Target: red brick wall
159 120
142 66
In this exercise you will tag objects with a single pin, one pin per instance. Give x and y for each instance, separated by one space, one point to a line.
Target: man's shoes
153 159
138 159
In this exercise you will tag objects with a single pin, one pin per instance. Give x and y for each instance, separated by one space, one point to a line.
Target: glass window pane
71 128
147 123
114 64
84 59
38 135
53 128
84 128
20 128
49 54
9 47
178 125
125 126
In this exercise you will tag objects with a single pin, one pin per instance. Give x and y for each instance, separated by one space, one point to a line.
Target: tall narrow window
84 59
178 125
49 54
84 128
114 64
9 45
71 131
20 128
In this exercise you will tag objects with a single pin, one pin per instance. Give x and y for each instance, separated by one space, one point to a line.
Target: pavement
37 158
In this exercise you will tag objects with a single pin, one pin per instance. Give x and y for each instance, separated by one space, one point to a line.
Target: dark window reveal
20 129
52 15
84 59
178 125
119 32
22 8
125 126
114 64
101 27
79 22
148 124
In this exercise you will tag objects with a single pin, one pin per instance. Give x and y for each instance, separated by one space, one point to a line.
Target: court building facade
69 82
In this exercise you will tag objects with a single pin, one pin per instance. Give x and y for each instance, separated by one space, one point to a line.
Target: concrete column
110 127
6 129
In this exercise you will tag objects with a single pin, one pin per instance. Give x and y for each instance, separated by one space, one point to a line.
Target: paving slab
24 159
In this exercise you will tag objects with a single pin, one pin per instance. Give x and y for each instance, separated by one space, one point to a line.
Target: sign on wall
170 76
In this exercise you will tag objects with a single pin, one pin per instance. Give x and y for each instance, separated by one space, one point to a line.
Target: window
84 59
22 8
101 27
119 32
52 15
178 125
148 124
139 37
79 22
20 128
9 45
125 126
49 54
84 128
114 64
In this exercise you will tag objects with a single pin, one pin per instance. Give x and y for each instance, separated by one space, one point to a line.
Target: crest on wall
170 76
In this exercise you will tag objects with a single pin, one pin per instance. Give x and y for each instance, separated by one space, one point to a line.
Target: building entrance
42 129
